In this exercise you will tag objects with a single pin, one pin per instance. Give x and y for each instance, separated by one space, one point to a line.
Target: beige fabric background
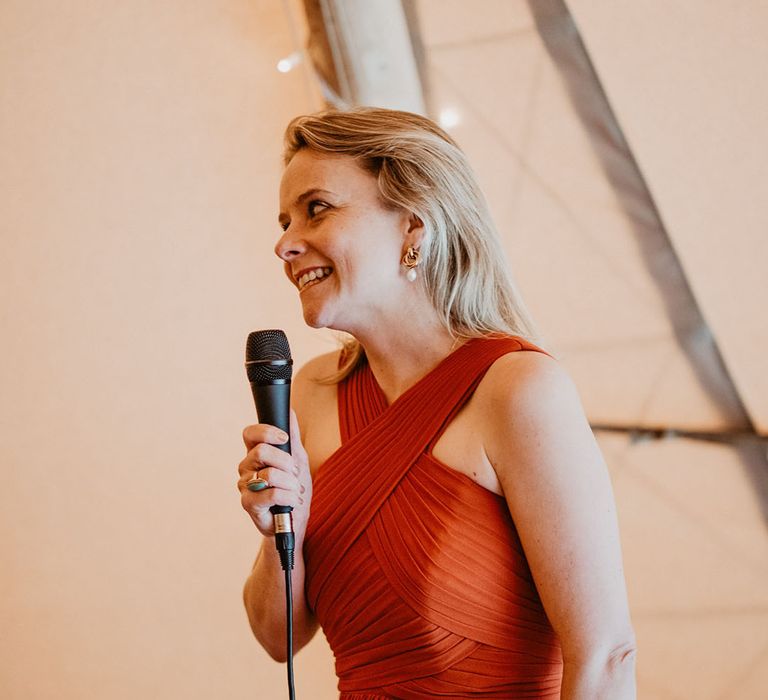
139 162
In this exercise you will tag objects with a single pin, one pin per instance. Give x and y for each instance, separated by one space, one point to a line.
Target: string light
284 65
449 117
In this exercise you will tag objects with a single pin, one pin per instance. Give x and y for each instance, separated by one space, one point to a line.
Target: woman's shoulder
319 368
534 428
314 399
312 390
528 387
529 367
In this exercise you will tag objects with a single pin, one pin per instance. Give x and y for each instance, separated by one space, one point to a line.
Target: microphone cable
289 632
285 544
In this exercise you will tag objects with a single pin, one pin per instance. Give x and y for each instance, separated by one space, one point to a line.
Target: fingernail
282 437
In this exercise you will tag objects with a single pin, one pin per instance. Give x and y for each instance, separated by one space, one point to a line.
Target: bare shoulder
532 410
315 403
530 380
310 385
315 371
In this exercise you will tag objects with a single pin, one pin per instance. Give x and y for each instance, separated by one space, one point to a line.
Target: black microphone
269 366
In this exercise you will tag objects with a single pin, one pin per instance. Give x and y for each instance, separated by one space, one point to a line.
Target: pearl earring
411 260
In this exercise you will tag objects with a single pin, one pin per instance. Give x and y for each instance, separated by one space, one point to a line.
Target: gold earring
411 260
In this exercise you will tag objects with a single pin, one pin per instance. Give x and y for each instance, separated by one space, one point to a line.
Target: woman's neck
400 358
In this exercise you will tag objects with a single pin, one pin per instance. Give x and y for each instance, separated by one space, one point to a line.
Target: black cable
284 542
289 629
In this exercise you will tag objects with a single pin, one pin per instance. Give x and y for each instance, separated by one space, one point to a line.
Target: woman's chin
322 318
315 317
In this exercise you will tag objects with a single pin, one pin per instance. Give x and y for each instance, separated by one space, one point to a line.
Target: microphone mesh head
267 345
264 348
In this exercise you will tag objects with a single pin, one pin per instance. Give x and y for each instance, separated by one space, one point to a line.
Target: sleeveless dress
415 572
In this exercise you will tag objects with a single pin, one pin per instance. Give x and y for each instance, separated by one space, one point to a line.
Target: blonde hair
421 169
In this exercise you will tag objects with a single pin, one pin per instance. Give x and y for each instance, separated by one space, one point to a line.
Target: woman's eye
312 207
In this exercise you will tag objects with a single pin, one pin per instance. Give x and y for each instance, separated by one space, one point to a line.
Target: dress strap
360 401
522 345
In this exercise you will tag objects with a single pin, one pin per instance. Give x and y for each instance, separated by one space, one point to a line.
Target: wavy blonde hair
421 169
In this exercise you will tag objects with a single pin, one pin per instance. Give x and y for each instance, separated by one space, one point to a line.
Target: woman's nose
289 246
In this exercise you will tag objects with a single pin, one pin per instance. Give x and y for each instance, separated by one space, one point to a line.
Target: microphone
269 366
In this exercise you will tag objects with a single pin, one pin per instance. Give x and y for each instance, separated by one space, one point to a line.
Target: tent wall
139 157
139 161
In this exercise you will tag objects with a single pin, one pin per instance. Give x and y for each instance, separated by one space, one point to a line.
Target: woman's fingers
261 432
264 455
275 467
284 478
259 502
283 490
278 479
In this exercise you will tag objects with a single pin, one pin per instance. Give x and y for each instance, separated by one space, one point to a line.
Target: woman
463 540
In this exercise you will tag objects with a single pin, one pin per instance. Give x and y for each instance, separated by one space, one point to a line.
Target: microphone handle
273 406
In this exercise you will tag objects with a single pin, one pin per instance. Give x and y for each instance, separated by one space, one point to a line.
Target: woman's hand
287 475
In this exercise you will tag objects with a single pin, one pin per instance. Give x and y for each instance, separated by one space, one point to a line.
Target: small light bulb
289 62
449 117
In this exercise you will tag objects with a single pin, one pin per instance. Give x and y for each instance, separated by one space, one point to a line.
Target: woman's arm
559 494
264 597
264 592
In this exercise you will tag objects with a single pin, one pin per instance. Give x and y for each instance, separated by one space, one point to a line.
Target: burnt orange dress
416 572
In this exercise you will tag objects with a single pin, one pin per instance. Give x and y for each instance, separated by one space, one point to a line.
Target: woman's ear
415 231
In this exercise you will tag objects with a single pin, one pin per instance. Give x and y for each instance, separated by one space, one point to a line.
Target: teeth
312 275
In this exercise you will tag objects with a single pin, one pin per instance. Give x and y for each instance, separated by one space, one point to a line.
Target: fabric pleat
415 572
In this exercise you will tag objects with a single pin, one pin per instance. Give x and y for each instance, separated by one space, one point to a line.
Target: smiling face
341 245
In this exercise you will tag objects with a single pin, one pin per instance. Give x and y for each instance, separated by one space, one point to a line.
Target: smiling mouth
313 277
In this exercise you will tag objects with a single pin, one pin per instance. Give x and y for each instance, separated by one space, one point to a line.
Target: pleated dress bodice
415 572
